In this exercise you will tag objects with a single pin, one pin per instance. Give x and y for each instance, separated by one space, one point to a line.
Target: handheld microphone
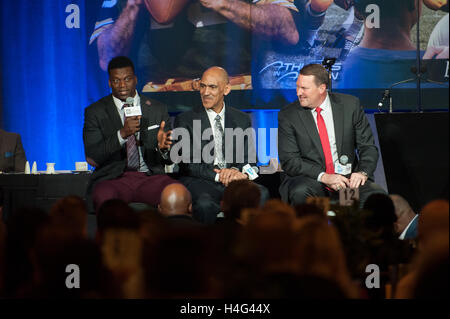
342 166
251 171
131 110
129 101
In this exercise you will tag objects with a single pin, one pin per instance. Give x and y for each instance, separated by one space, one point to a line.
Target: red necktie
329 167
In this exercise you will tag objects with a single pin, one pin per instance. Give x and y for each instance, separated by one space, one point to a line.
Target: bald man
406 224
222 151
175 200
176 206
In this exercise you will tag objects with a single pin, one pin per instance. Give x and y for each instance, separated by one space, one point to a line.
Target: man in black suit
12 154
128 152
221 143
315 133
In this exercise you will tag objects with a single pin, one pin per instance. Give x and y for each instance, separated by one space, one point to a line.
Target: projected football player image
173 41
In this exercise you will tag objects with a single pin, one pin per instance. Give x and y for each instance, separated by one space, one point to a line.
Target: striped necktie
219 137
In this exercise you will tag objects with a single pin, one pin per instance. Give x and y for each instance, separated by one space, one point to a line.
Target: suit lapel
338 120
229 120
200 114
145 120
111 110
307 119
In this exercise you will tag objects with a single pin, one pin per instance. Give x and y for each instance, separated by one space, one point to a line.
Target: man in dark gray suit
128 152
313 135
215 159
12 154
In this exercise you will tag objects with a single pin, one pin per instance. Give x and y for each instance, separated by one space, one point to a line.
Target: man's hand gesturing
164 139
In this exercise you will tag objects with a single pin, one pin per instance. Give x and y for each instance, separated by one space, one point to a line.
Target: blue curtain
45 80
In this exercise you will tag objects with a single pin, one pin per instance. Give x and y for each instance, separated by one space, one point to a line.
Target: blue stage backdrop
46 78
53 64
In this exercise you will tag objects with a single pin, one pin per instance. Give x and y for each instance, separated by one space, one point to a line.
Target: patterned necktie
219 142
329 167
132 153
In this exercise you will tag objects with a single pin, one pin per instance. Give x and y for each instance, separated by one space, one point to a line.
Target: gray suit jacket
234 119
299 147
101 144
12 154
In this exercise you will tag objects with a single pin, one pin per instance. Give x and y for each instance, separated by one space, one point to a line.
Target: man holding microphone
126 141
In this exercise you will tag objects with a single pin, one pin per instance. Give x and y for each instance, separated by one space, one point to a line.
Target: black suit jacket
234 119
299 147
101 144
12 154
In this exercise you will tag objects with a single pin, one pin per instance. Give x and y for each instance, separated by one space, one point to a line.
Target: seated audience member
264 247
431 281
119 236
21 231
433 219
433 222
382 216
52 254
268 238
304 210
12 154
239 195
384 247
406 224
70 213
319 252
428 276
116 214
176 205
182 264
128 152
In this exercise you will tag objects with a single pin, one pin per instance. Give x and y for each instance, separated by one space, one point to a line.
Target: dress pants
130 187
295 190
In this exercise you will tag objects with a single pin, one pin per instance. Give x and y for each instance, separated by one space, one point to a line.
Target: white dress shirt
327 114
119 105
